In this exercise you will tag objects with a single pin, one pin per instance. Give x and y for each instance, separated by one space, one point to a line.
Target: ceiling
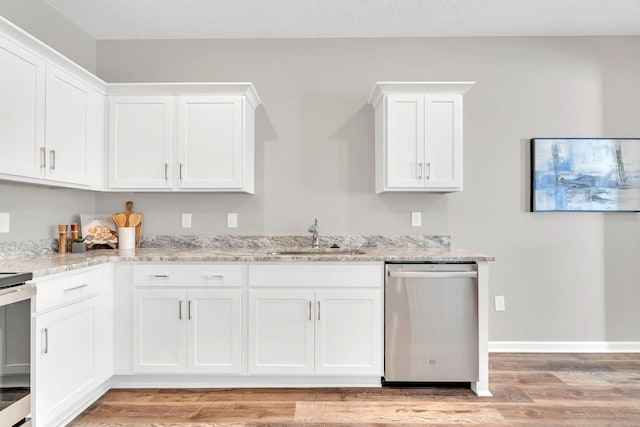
204 19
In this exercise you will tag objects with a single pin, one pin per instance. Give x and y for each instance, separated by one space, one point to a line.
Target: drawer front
163 274
316 275
67 289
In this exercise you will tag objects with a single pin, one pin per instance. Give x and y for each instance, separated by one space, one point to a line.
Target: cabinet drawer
187 275
67 289
313 275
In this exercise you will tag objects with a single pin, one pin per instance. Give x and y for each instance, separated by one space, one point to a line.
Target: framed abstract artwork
585 174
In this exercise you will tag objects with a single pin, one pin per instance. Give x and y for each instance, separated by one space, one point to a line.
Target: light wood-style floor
528 390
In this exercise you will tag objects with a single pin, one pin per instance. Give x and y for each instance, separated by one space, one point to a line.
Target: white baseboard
564 347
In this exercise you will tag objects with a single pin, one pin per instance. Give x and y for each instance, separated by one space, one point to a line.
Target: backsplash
46 246
276 241
26 248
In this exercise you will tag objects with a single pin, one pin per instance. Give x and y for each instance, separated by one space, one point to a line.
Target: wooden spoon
120 219
135 219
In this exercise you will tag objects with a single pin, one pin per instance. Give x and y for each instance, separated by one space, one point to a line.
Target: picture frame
585 175
99 230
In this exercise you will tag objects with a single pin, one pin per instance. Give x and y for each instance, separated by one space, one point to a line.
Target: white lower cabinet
65 363
192 331
281 332
304 325
347 333
73 343
329 332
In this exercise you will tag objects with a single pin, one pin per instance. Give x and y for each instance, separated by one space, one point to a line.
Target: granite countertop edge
44 265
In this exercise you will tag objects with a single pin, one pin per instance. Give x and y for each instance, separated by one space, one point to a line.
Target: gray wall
35 210
566 276
46 24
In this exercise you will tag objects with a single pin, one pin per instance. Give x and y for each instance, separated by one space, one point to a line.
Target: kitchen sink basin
318 252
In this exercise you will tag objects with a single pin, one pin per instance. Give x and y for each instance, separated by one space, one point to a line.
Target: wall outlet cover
186 220
416 219
5 224
499 303
232 220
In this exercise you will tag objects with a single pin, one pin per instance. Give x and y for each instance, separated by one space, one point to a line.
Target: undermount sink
317 252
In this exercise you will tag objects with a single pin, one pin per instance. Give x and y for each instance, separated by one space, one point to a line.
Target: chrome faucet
314 229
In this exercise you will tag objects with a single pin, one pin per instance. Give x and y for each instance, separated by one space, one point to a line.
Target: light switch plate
5 225
232 220
416 219
499 303
186 220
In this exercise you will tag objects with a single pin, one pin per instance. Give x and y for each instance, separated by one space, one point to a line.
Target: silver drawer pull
43 157
213 276
309 310
75 288
180 310
159 276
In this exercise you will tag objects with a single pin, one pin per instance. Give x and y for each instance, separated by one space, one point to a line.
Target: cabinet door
140 141
22 79
64 360
444 141
159 331
215 331
405 141
104 324
348 332
210 142
281 332
66 127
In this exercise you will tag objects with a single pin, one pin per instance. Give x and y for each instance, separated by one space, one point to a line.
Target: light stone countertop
43 265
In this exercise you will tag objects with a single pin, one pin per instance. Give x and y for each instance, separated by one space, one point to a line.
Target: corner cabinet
418 135
51 117
199 140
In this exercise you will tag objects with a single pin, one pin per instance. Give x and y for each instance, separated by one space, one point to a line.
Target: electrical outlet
232 220
186 220
416 219
499 303
5 225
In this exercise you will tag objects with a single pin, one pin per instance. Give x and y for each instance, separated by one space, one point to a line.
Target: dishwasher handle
434 274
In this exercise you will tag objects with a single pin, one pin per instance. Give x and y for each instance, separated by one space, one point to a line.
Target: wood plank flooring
528 390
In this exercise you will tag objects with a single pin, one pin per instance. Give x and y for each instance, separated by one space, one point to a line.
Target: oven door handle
16 294
434 274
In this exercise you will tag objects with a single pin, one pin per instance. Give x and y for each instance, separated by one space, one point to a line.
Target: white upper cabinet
22 78
418 135
211 142
201 139
68 108
51 115
140 141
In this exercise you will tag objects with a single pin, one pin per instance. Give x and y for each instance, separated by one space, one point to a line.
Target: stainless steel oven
15 349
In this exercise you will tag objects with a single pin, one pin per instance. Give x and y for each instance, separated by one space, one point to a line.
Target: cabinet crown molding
175 89
417 87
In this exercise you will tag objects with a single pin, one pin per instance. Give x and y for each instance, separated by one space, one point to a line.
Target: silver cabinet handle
52 155
419 170
213 276
189 310
180 310
166 171
180 171
318 310
43 157
309 310
428 170
75 288
44 348
159 276
434 274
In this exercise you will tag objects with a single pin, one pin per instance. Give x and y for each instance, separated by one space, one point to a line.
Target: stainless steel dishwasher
431 323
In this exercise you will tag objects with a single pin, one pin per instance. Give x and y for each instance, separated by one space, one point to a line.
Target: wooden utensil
135 219
120 219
